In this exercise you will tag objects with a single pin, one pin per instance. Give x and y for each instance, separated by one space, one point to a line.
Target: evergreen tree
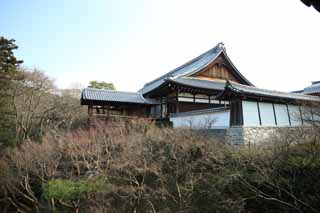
8 75
101 85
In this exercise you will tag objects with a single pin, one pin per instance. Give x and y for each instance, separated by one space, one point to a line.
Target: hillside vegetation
141 168
53 160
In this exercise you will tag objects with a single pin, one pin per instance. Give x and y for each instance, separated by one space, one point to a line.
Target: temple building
207 92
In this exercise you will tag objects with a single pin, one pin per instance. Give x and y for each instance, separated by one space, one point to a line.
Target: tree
40 107
8 61
33 103
101 85
8 77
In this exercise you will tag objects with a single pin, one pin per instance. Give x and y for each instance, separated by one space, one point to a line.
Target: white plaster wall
250 113
295 116
267 114
316 117
203 121
282 114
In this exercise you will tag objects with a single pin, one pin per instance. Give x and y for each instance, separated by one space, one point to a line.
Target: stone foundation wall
259 135
255 135
235 136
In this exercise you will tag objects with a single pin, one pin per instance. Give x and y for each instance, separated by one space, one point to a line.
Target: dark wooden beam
274 114
259 113
288 115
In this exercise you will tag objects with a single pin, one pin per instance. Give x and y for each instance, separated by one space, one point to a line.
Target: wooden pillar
177 101
236 113
161 108
301 116
288 114
240 112
274 114
89 110
232 117
166 107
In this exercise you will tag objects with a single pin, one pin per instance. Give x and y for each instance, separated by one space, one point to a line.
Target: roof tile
115 96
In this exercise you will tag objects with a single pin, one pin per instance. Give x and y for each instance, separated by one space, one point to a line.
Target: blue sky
275 44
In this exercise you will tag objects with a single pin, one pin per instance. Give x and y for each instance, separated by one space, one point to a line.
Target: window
186 97
202 98
184 94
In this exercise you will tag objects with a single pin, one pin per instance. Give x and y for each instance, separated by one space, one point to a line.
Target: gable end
221 68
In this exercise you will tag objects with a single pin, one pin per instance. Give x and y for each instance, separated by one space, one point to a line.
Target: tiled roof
92 94
190 67
269 93
221 84
201 83
314 88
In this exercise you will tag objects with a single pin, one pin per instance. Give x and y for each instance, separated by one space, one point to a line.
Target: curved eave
100 102
235 68
281 98
107 97
171 82
194 87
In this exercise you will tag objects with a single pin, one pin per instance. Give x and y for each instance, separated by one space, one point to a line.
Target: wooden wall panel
217 71
186 107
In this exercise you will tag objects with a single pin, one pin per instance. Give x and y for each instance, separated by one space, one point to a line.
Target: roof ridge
110 90
195 71
203 79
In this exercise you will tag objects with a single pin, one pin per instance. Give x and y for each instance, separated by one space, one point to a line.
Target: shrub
141 168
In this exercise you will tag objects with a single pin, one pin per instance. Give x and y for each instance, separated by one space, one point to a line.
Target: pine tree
8 75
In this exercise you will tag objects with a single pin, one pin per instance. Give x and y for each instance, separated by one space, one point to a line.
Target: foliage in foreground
141 168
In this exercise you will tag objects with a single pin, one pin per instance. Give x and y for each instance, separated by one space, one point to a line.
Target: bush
69 190
141 168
